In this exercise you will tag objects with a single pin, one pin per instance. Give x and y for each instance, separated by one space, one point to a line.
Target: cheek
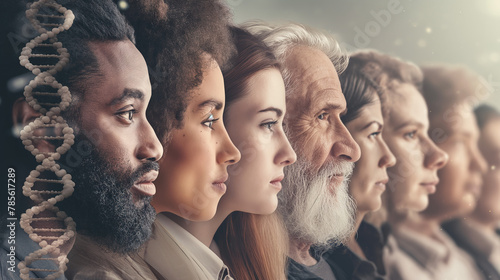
403 174
312 142
453 174
491 189
249 174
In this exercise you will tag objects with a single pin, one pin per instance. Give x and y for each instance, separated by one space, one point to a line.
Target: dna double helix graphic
48 184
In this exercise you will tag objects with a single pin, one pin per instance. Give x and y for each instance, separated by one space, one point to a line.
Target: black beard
102 204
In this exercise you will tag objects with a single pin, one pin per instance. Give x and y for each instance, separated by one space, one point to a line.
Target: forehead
457 120
211 87
315 79
121 66
372 111
406 105
265 88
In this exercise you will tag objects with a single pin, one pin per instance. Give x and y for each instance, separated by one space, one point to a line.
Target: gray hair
282 38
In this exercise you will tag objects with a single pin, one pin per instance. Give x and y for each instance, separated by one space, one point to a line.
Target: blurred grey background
459 32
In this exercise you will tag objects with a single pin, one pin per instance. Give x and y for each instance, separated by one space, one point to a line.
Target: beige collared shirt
411 255
185 257
89 261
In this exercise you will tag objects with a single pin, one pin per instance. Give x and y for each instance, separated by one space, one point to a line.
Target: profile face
113 113
370 175
118 150
414 177
461 179
314 110
314 202
193 170
489 143
255 125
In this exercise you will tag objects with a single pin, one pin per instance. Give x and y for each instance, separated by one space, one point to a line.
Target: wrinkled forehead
313 78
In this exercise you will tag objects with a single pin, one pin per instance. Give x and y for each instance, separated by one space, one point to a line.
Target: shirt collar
425 250
486 243
199 251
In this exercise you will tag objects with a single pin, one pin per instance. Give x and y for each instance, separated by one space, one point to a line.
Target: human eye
269 125
323 116
410 135
126 115
374 134
209 122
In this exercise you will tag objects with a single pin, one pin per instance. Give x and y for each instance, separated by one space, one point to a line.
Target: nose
286 155
435 157
227 153
150 147
477 161
388 159
344 146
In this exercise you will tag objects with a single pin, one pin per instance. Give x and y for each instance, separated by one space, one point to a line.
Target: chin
201 215
422 205
267 208
376 205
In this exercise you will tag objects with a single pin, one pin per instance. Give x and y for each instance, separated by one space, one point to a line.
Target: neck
203 231
299 252
478 219
352 243
424 225
485 224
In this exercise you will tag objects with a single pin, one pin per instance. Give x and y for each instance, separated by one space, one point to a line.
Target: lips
276 182
430 186
219 184
144 186
381 183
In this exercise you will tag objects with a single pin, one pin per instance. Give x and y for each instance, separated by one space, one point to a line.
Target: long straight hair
252 246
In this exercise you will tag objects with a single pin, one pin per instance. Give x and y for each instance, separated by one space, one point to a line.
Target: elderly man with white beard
315 205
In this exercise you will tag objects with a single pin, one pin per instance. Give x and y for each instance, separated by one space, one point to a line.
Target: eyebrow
373 122
128 93
409 123
211 103
331 106
272 109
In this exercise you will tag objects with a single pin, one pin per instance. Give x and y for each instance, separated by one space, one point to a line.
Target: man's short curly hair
174 36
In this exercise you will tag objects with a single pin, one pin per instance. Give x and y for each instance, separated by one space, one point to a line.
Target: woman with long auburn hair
245 232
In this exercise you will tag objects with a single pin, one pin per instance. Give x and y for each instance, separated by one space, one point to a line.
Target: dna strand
48 184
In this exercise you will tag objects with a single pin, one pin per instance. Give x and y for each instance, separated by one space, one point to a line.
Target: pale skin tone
193 171
114 112
313 121
487 212
369 176
461 179
254 123
414 176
